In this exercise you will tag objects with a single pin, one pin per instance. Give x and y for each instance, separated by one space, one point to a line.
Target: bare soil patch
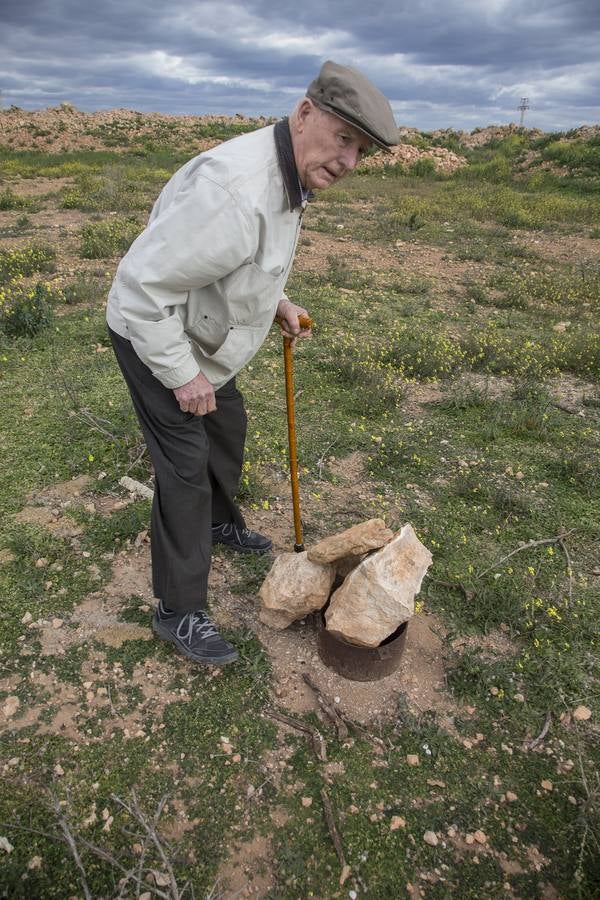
565 248
247 871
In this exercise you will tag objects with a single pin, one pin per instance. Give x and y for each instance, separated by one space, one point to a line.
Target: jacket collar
287 164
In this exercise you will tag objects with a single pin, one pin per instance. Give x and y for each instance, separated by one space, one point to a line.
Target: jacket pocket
244 297
240 344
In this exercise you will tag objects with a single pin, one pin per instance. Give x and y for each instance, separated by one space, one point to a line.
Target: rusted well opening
360 663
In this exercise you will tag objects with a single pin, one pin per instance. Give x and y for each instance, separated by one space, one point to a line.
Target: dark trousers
197 465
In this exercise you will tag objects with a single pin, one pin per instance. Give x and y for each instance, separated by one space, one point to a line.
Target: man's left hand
287 317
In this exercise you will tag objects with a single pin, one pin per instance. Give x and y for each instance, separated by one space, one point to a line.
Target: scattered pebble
511 797
480 836
397 822
431 838
41 562
34 863
582 714
413 759
519 698
6 845
57 623
547 784
11 705
58 769
27 618
307 801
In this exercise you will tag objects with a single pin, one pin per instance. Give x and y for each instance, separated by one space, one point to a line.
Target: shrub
25 310
424 167
10 200
23 261
577 156
100 240
85 289
113 189
417 353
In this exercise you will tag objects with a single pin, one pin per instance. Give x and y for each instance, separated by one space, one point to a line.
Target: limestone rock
345 565
294 587
379 594
354 541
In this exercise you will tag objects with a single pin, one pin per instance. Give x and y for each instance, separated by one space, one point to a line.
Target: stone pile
405 154
380 574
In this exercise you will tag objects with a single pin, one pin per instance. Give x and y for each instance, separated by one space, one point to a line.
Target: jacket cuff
180 375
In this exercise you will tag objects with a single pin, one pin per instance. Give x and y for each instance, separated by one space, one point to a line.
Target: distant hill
64 128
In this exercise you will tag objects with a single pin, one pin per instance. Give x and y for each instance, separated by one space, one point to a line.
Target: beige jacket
199 288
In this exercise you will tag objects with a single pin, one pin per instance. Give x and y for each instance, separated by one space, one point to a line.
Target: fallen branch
529 545
70 842
129 874
328 708
136 487
531 745
321 460
94 422
150 828
335 835
140 454
316 739
565 550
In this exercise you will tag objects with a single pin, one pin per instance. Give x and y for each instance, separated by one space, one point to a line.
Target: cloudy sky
458 63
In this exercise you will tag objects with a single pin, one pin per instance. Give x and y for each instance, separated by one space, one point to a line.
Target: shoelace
196 624
229 527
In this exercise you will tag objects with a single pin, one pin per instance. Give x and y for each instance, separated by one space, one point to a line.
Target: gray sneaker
241 539
196 636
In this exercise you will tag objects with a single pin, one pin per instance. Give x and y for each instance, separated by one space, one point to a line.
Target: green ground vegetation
463 365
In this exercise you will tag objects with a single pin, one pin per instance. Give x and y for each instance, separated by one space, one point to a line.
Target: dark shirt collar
285 154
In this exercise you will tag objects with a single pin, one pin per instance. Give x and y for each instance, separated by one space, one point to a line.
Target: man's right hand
196 396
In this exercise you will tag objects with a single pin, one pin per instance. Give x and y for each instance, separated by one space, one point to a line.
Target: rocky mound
406 155
63 128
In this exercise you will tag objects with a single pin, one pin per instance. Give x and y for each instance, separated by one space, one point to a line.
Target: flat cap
349 94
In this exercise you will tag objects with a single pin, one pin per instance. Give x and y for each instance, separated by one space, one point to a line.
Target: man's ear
304 109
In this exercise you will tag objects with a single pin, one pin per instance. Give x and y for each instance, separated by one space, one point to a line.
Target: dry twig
316 739
535 742
328 708
565 550
70 842
150 828
529 545
335 835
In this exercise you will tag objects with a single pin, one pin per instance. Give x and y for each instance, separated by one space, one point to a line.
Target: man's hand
196 396
287 317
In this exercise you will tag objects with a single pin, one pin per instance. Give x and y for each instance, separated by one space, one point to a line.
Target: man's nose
351 158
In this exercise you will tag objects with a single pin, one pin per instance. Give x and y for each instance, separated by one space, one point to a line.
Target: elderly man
190 305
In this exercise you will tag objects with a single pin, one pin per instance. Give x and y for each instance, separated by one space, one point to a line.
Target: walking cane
305 322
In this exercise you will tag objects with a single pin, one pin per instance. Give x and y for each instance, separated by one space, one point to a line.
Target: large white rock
355 541
294 587
379 594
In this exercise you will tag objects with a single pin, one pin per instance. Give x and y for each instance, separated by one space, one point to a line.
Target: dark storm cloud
461 63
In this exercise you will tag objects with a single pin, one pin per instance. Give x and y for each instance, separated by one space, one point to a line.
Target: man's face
325 147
